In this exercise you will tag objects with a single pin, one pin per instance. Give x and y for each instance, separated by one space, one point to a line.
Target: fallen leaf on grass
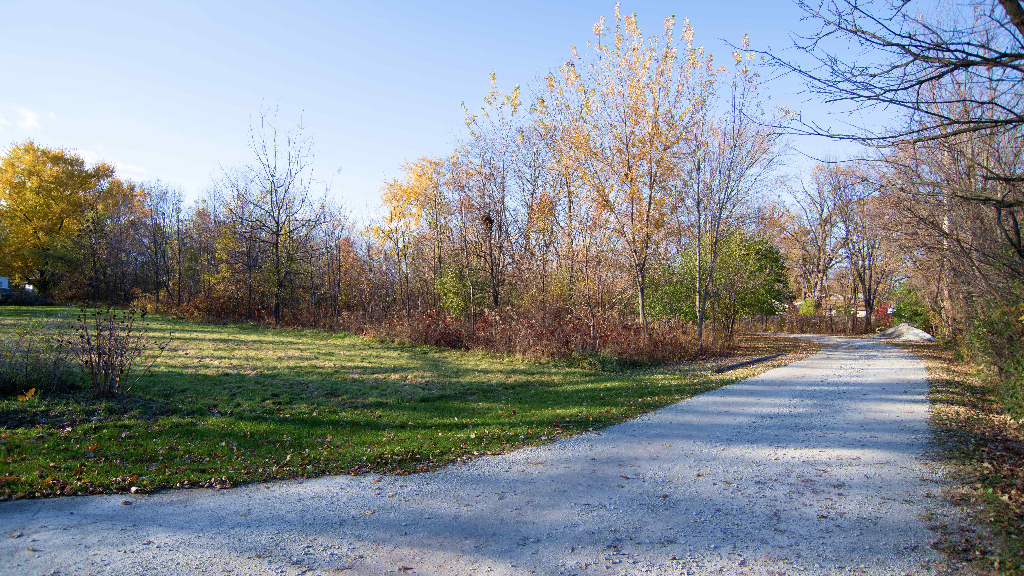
404 568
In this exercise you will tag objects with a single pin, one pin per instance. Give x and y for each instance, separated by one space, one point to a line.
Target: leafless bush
548 334
107 344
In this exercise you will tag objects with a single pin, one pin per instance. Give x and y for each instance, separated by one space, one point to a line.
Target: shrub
107 344
808 307
36 355
996 338
22 298
911 308
552 333
883 319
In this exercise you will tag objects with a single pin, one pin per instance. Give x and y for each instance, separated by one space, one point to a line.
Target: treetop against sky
168 90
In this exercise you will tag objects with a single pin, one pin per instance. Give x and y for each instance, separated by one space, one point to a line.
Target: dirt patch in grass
233 404
984 450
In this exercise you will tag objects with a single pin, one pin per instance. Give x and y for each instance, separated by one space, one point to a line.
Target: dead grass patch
983 447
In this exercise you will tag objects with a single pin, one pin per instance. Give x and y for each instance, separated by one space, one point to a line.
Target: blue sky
168 90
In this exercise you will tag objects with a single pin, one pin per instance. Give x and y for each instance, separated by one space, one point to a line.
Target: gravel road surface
814 468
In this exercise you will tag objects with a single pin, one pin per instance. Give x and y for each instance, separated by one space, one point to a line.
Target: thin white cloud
124 170
131 171
89 156
52 116
29 119
3 120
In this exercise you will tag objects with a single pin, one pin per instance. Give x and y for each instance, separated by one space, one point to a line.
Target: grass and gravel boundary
229 405
983 450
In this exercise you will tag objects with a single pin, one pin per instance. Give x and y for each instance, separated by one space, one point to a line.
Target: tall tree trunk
640 289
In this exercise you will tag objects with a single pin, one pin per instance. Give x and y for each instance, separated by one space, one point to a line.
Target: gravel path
813 468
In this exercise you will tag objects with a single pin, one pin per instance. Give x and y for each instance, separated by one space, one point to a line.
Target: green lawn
230 404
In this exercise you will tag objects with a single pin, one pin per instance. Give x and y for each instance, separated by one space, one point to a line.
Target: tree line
631 202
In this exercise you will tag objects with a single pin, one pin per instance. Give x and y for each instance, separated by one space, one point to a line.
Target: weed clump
36 356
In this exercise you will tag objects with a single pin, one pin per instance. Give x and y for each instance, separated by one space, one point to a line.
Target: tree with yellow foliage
45 195
417 210
626 111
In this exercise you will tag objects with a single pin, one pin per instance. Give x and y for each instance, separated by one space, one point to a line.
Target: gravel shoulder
818 467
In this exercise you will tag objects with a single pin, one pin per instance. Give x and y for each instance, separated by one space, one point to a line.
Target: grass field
231 404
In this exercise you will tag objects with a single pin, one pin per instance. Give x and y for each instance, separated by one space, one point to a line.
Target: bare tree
280 208
952 74
815 239
724 165
241 247
908 47
162 203
868 246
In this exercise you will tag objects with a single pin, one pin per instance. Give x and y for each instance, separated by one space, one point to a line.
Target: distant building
5 287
